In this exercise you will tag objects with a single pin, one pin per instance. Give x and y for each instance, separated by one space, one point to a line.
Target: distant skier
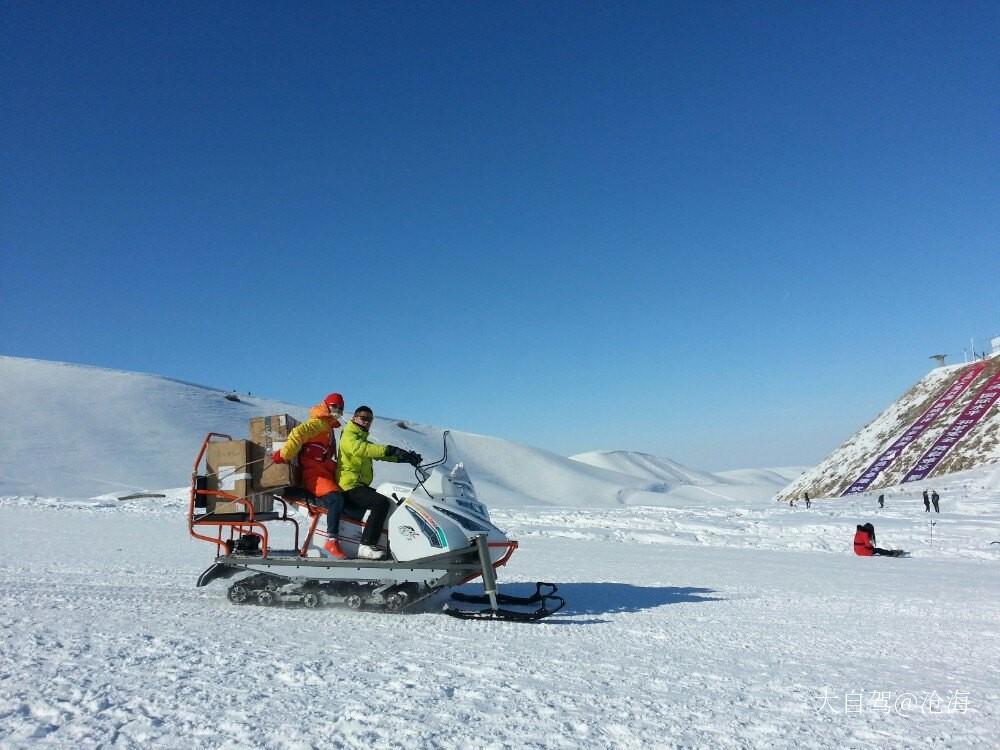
864 543
881 501
927 503
934 500
808 501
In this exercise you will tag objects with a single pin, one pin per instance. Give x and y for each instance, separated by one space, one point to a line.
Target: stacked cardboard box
271 433
231 468
244 467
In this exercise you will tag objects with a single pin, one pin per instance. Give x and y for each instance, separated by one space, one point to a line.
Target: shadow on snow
611 598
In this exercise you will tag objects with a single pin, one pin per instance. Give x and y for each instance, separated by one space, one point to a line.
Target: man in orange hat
315 444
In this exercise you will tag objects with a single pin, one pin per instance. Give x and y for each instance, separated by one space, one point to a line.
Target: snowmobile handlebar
423 471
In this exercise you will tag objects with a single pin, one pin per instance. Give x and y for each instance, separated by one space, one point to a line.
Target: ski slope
970 417
951 409
963 380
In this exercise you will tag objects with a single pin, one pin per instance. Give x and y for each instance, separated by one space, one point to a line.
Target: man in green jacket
355 474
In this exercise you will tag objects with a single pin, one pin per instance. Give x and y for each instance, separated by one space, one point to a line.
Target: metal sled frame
447 569
221 528
307 501
392 585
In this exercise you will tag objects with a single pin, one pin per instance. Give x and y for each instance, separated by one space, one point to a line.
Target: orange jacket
314 438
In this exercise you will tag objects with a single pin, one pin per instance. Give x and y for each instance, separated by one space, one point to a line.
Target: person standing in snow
881 501
927 503
934 501
315 445
808 501
356 473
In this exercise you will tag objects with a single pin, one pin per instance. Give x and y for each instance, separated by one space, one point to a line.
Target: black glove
403 456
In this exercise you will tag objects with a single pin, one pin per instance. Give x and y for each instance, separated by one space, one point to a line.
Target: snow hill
76 431
650 467
919 420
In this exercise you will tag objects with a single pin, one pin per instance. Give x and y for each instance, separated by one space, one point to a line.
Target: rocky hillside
886 451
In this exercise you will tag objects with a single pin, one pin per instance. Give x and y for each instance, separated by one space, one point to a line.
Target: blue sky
725 233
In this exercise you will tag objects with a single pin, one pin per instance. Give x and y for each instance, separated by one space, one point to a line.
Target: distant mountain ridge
80 431
862 452
647 466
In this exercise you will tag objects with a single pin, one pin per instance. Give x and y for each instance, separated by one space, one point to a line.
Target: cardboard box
275 475
271 432
262 503
231 468
265 430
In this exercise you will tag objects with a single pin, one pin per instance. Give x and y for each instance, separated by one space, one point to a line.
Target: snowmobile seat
302 495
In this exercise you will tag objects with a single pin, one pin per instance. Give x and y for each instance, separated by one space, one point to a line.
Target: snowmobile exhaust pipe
489 574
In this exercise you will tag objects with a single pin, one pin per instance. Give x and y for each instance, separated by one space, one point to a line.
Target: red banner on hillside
968 419
890 454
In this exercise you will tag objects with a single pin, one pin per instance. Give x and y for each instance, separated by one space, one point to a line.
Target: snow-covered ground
722 624
700 613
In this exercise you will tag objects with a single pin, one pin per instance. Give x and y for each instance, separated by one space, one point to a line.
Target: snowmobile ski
548 599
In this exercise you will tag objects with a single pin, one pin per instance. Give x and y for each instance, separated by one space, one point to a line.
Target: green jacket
355 455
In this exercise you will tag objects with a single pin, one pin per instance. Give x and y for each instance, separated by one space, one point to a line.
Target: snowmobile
438 534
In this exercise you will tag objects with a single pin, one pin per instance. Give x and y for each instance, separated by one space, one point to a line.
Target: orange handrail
245 526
